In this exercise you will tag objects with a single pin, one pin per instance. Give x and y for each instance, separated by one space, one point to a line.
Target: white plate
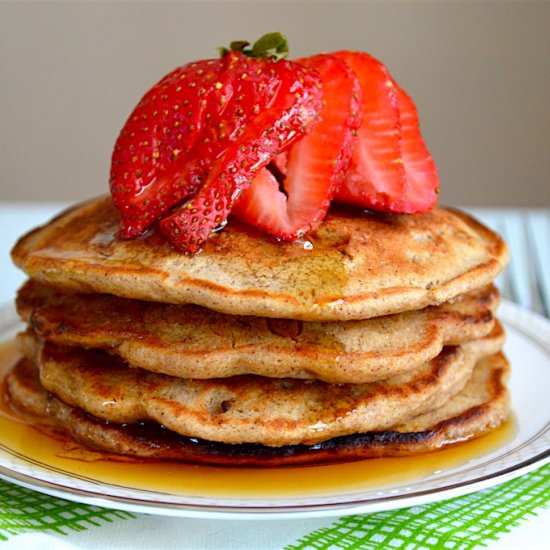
528 349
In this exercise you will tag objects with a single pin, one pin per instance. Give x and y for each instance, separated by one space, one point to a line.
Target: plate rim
518 318
195 510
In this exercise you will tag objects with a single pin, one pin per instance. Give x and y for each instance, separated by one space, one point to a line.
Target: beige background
478 71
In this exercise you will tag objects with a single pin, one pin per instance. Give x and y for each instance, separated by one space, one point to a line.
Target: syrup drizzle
53 450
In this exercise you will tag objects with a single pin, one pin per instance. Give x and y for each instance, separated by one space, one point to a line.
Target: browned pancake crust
357 265
193 342
252 409
480 407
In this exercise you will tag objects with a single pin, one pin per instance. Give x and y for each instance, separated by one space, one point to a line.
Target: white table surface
15 219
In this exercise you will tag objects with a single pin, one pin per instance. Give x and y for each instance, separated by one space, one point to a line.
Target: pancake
248 408
481 406
192 342
357 265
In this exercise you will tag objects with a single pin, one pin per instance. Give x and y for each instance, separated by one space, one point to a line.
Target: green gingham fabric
460 523
22 510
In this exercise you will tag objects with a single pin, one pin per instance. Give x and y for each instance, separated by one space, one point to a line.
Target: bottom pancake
482 405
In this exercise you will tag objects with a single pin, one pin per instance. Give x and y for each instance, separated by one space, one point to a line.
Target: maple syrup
53 450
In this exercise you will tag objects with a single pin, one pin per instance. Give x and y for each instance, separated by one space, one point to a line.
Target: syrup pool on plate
53 451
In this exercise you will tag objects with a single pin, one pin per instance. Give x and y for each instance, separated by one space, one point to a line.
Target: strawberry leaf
272 45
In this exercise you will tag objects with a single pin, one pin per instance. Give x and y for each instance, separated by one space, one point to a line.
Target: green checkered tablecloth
23 510
460 523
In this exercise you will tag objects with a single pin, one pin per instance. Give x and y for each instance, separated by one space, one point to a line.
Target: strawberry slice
421 191
376 174
391 169
151 169
272 105
314 167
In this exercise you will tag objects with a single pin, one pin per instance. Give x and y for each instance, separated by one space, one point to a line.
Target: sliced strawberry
210 128
376 175
421 191
151 168
180 127
391 169
315 165
273 104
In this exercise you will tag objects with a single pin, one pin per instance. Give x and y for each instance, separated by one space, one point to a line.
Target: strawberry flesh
391 170
314 166
421 191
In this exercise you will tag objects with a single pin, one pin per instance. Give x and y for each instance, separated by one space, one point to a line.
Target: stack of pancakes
373 336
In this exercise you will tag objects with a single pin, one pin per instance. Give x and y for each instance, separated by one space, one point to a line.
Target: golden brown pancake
481 406
193 342
252 409
357 265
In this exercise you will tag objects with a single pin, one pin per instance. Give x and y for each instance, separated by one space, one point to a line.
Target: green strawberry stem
272 45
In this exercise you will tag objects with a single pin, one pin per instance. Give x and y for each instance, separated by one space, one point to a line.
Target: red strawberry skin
151 168
391 169
314 167
191 124
272 105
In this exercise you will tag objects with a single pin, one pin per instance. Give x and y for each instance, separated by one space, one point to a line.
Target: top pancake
357 265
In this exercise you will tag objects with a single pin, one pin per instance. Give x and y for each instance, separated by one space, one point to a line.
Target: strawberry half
314 167
273 103
391 169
